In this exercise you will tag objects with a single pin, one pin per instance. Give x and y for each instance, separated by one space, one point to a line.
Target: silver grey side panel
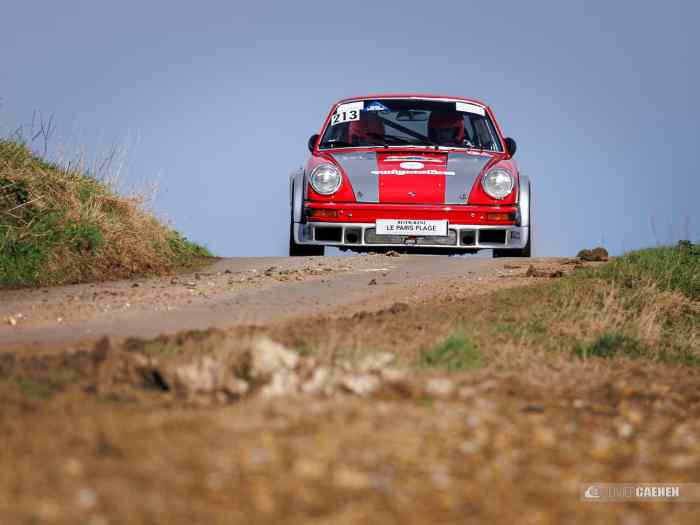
358 167
524 200
466 168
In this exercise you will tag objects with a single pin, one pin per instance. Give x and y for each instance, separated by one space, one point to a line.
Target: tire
302 250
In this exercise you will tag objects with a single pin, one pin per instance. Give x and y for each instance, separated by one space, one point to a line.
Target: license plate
422 228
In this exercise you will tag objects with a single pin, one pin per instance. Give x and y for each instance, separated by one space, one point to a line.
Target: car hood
435 177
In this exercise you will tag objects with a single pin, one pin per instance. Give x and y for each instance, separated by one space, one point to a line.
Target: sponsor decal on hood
412 165
411 158
412 172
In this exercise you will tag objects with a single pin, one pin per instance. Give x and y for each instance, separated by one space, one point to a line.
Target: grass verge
642 305
639 306
61 226
669 268
456 352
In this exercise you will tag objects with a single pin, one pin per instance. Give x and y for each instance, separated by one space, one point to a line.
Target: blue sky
215 101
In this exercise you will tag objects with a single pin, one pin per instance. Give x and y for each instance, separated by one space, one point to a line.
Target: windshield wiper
335 142
476 145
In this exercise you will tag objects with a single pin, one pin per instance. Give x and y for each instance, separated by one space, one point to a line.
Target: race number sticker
347 113
470 108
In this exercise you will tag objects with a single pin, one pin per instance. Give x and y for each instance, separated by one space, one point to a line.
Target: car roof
412 95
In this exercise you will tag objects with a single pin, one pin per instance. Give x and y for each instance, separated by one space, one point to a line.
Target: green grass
610 345
161 349
59 225
185 250
671 268
643 305
454 353
34 389
304 348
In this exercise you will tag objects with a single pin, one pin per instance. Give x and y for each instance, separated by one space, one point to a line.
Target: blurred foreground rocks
235 368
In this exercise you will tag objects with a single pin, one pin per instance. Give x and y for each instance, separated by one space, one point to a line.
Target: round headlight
325 179
498 183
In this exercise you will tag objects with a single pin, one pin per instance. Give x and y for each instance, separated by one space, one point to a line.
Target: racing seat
368 130
446 127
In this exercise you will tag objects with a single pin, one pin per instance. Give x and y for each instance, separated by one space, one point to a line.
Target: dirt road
237 291
344 390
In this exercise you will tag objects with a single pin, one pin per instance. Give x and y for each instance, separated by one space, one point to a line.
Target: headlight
498 183
325 179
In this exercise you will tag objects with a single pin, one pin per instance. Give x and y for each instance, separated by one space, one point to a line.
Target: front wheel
302 250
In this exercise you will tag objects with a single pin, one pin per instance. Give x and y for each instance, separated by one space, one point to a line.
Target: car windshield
410 122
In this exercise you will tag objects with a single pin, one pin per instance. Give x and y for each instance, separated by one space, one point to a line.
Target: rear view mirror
511 146
312 142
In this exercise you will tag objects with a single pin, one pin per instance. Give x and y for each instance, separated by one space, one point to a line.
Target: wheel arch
525 200
296 194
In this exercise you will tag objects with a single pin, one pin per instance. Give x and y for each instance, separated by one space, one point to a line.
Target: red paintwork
479 196
430 188
368 212
427 188
344 193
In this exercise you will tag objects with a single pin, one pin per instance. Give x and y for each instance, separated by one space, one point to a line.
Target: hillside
61 226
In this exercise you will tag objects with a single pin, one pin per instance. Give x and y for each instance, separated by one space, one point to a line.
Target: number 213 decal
345 116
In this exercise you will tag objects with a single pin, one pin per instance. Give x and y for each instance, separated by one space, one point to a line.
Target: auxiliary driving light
500 217
321 213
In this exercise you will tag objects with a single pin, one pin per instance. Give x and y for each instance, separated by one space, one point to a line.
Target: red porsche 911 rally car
417 173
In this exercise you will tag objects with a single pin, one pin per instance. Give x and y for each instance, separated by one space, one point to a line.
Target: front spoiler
467 237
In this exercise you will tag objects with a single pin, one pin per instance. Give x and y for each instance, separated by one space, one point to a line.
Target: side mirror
511 146
312 142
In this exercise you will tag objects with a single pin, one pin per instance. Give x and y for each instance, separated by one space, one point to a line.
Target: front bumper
466 237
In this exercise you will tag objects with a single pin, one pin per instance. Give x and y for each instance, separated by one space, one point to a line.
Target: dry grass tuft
643 313
58 225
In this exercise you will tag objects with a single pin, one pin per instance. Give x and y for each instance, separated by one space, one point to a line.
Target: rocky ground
433 395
